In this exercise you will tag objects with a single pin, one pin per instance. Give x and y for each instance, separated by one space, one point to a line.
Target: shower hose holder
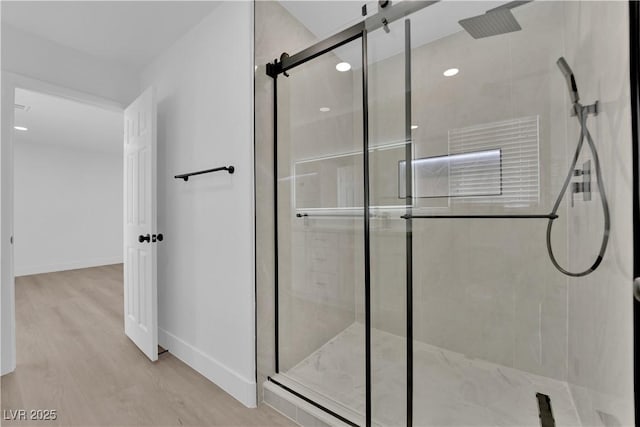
589 109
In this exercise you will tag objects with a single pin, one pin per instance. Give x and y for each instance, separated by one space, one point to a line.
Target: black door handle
142 238
160 237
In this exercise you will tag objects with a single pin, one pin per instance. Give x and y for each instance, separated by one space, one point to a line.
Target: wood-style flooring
73 356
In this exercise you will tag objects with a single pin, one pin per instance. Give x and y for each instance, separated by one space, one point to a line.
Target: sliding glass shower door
389 144
343 277
418 159
320 323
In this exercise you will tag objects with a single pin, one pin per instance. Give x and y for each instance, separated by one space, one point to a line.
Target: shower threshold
450 389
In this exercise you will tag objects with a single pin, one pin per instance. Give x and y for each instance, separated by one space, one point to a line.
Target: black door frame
634 69
274 70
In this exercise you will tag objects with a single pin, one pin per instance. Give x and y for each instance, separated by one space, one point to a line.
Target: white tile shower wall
205 264
485 289
601 305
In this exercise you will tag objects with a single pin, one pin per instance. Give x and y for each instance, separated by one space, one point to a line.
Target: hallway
73 357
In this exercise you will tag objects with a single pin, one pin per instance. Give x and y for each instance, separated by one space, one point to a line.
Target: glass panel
490 310
320 232
387 142
494 321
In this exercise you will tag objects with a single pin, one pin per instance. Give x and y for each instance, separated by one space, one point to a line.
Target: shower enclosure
416 168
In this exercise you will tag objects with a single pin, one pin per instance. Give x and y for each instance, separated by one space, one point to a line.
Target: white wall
601 304
206 262
482 288
68 208
38 58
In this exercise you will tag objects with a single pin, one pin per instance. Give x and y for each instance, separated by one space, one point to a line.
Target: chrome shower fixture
571 80
581 112
493 22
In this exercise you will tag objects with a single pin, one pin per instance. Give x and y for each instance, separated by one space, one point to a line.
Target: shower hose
582 114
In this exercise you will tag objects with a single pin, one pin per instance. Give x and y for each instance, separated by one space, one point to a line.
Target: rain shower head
571 81
493 22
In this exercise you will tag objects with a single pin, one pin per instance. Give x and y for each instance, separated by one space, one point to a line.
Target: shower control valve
583 187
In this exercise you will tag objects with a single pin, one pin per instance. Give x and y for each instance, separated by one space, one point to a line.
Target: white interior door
140 286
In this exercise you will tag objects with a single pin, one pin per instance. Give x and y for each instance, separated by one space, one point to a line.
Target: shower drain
544 410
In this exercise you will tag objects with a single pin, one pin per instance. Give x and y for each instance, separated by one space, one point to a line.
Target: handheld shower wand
581 112
571 80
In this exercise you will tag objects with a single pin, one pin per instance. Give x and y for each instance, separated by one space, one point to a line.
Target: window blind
518 141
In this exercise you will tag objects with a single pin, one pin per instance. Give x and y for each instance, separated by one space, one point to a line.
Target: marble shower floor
450 389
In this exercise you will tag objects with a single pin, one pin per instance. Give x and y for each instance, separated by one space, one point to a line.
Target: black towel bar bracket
186 176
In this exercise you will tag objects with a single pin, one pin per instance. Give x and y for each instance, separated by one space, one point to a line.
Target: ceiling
127 32
135 32
62 122
324 18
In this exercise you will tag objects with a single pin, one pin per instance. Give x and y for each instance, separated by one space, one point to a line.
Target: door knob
160 237
142 238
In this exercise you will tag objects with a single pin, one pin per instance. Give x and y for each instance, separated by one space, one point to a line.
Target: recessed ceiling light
414 126
343 66
20 128
325 109
451 72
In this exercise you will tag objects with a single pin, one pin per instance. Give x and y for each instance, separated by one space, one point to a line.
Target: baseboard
233 383
50 268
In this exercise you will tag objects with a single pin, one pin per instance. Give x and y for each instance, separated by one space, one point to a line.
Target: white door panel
140 259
